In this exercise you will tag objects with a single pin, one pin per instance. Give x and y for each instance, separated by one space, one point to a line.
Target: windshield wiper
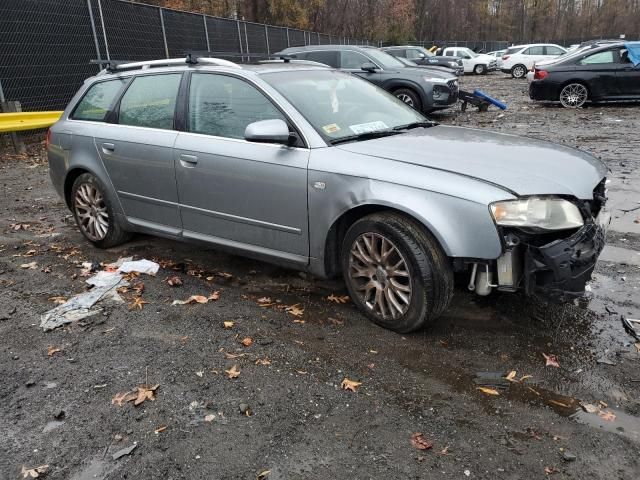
364 136
409 126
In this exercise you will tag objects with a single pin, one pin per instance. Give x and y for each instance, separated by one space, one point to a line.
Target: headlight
453 64
543 213
434 80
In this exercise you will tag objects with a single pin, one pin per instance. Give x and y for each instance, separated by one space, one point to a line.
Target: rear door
233 192
137 151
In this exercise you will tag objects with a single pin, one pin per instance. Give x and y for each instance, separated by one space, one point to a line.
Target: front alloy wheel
380 275
574 95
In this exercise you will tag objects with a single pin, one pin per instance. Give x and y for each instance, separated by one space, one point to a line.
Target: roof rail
190 59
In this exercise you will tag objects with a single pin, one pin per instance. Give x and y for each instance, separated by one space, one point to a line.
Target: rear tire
519 71
396 272
94 213
574 95
409 97
480 69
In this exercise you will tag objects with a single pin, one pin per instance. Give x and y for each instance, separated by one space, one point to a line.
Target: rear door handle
108 147
188 158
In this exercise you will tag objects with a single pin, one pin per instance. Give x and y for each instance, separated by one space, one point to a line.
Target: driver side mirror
421 55
368 67
269 131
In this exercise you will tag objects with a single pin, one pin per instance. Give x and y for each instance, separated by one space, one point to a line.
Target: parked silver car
319 170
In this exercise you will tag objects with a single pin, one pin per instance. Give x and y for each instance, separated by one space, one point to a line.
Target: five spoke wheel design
380 275
91 211
573 95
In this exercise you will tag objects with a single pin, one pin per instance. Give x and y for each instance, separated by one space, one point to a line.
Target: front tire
519 71
574 95
409 97
396 272
480 69
94 213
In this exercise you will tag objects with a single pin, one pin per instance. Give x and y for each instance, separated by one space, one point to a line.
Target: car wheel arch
341 224
69 180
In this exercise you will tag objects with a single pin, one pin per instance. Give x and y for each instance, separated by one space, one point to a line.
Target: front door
232 192
137 151
352 62
628 76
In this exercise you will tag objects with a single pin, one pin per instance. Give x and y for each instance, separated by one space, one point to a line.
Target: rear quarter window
150 101
95 103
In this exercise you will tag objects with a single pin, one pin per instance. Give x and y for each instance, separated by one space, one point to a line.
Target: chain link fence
46 46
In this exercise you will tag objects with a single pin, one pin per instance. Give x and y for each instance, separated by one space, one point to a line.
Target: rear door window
551 50
150 101
539 50
95 104
598 58
326 58
223 106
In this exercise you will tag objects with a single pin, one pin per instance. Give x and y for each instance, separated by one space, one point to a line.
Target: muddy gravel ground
285 416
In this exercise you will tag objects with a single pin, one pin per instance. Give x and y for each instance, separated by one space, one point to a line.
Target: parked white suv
478 63
518 60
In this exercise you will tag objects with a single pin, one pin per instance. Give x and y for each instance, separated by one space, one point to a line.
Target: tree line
400 21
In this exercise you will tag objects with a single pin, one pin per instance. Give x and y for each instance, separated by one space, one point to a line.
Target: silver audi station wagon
319 170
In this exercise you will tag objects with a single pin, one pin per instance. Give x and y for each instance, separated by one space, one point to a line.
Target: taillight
506 57
540 74
48 139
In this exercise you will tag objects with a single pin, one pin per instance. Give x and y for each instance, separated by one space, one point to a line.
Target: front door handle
108 147
188 158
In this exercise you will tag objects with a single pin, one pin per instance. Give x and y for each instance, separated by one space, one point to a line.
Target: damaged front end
554 262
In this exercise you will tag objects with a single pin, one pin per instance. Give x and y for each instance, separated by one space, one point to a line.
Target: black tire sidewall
415 316
114 232
513 71
480 69
417 104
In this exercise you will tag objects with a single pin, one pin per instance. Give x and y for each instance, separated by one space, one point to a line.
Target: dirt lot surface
285 416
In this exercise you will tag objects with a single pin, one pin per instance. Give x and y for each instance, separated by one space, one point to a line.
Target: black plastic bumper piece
563 267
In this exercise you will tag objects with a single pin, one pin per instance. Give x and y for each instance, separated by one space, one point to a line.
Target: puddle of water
619 422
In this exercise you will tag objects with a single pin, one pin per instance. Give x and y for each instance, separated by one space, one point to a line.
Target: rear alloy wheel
480 69
94 213
396 272
519 71
574 95
409 97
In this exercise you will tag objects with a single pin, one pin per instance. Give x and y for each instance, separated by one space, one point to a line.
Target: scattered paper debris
140 266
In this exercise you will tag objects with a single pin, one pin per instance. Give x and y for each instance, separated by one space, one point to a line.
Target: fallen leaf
51 350
550 470
488 391
419 442
265 302
30 265
145 392
511 376
560 404
209 418
301 322
524 377
350 384
228 324
263 361
19 226
233 372
191 299
161 428
589 408
123 397
58 300
294 310
138 287
214 296
247 341
34 472
234 355
338 298
263 474
607 416
444 451
138 303
302 372
637 345
551 360
174 281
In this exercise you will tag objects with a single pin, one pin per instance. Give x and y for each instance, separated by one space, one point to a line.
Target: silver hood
520 165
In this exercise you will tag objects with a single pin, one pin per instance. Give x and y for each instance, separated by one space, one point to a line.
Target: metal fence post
164 33
246 42
240 41
266 37
318 33
93 30
288 42
104 30
206 32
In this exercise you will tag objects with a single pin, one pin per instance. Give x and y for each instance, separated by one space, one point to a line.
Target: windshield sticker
368 127
331 128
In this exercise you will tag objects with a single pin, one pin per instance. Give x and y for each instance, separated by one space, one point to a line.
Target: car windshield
383 58
341 106
470 52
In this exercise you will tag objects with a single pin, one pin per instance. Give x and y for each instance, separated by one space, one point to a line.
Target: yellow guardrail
20 121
